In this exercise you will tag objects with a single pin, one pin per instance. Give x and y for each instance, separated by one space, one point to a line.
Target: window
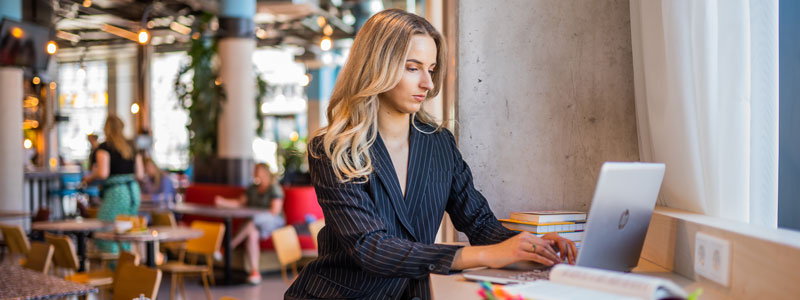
84 104
789 136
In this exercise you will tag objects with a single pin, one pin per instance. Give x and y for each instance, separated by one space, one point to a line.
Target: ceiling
171 23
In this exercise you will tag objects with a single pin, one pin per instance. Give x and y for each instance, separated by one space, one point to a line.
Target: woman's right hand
521 248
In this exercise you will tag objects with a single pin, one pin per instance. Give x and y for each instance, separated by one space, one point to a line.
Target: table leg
81 239
228 251
151 254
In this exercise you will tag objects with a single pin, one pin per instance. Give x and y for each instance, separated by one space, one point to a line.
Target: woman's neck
393 126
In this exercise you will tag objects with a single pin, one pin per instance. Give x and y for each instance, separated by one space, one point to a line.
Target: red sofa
298 202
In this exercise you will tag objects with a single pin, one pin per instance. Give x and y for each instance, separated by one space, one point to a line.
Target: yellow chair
66 259
204 246
166 218
17 241
136 280
287 246
39 257
315 227
125 258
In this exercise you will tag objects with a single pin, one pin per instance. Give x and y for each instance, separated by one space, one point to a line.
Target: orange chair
287 246
17 241
204 246
39 257
66 259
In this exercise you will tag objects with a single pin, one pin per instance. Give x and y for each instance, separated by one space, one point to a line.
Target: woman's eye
431 72
412 69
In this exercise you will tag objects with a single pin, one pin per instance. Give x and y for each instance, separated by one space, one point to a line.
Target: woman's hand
565 247
521 247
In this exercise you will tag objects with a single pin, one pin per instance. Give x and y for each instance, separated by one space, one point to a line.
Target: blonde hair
375 65
114 136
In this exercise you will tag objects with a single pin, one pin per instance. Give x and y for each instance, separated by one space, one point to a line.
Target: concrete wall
545 96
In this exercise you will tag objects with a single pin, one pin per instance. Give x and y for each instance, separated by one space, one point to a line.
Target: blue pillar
319 92
11 9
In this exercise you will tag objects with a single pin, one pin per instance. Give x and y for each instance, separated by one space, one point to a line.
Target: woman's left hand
566 248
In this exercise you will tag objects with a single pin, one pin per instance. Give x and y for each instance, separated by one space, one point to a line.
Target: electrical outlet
712 258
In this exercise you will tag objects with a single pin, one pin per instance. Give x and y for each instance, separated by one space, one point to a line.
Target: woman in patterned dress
120 166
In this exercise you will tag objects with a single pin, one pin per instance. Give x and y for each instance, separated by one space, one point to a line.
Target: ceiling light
326 43
52 47
143 36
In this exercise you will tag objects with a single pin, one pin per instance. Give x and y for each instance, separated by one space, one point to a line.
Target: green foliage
292 156
200 92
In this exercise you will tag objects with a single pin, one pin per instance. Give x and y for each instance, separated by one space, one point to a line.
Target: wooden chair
66 259
287 247
17 241
136 280
39 257
315 227
204 246
166 218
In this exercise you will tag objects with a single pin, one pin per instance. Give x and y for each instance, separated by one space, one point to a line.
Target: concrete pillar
11 150
121 93
545 97
238 120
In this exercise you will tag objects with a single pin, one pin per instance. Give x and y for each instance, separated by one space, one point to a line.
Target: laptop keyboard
532 275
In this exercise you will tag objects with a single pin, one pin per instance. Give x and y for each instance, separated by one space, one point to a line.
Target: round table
151 237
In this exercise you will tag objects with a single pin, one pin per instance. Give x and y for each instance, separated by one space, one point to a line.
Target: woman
156 184
385 173
120 167
263 193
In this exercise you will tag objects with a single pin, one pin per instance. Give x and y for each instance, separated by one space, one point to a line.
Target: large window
84 105
169 119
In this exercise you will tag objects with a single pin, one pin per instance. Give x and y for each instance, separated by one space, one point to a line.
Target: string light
143 36
326 43
36 80
27 143
52 47
135 108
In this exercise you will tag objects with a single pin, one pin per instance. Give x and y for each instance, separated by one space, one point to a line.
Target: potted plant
201 93
292 158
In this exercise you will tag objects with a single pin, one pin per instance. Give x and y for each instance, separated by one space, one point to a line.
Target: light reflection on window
170 137
84 104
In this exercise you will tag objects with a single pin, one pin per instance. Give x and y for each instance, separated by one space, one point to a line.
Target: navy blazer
377 244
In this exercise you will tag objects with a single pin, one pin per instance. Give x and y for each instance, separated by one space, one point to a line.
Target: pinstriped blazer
378 244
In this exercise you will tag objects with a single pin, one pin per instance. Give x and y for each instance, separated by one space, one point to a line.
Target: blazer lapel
384 169
419 160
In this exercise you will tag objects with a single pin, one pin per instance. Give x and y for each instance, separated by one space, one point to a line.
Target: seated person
156 183
263 193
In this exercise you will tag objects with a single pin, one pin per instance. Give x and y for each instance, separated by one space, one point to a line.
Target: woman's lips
419 98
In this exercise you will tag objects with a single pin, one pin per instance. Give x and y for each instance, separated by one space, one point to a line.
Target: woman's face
416 81
261 175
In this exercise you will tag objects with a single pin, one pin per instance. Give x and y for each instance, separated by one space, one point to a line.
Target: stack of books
568 224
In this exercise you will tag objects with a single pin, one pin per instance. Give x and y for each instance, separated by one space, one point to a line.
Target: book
575 236
548 216
573 282
543 227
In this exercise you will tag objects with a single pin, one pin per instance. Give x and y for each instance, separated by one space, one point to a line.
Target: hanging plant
201 93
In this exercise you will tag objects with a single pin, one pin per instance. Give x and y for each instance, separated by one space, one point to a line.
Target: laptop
616 226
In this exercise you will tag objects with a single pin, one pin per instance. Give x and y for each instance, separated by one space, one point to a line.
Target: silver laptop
623 203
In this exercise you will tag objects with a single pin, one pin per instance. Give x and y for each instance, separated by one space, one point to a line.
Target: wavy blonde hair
114 136
375 65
